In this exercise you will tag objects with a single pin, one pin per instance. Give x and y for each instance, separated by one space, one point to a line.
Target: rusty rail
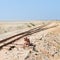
29 32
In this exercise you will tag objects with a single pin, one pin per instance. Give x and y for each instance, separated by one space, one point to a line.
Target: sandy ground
47 41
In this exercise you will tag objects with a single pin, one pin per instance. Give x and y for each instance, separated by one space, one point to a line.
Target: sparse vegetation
32 24
28 25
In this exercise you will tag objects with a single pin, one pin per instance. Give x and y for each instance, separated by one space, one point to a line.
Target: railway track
12 39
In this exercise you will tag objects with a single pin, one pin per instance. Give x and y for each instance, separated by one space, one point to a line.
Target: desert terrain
44 36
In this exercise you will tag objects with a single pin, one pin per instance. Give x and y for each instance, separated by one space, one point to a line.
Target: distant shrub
18 27
28 25
32 24
5 31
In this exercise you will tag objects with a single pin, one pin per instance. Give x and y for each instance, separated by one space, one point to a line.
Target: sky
29 10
